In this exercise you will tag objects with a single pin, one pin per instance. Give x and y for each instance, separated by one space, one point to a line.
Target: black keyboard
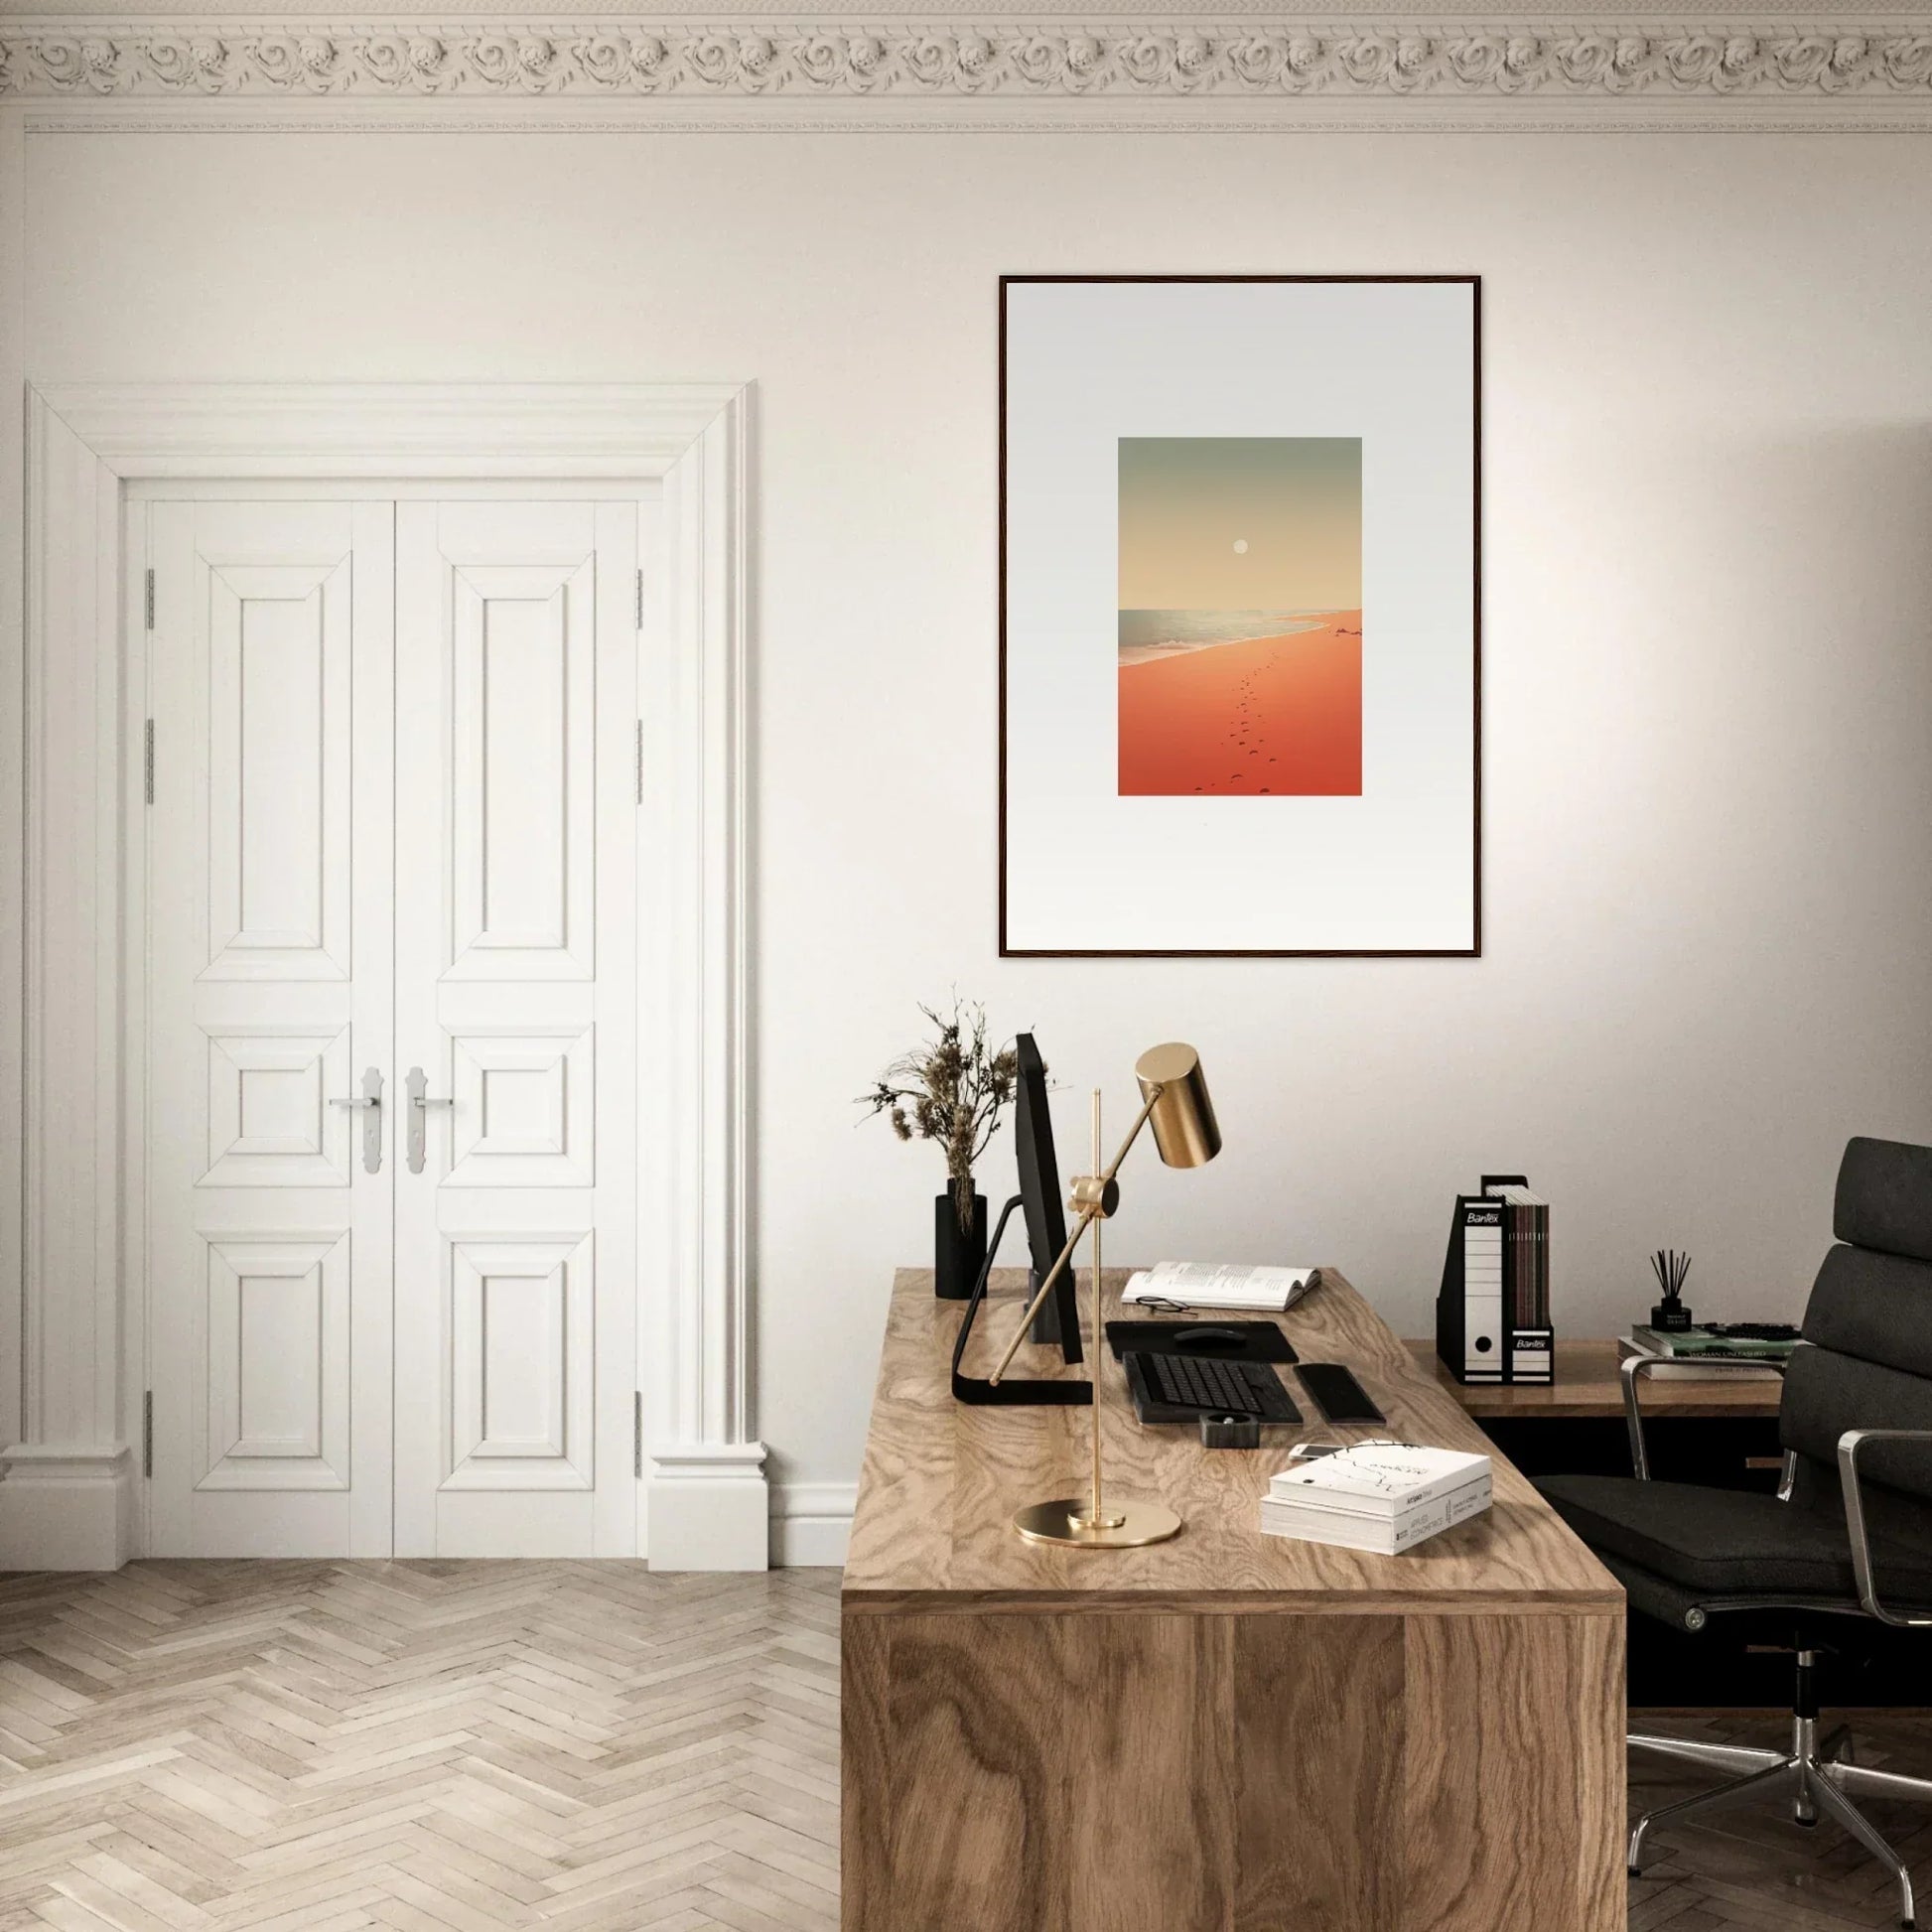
1207 1386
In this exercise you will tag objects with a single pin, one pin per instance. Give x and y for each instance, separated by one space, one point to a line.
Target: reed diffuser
1670 1315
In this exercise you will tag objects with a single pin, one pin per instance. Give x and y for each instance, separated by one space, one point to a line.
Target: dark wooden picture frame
1474 948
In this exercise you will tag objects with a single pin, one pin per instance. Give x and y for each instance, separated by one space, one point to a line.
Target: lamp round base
1064 1521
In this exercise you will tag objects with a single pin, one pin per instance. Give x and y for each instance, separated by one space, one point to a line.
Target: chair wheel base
1809 1824
1633 1872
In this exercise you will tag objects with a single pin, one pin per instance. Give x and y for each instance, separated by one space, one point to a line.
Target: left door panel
271 686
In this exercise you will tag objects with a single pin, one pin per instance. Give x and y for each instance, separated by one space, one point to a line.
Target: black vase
958 1254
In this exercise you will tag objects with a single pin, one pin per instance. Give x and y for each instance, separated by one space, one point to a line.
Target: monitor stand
1046 1323
1011 1390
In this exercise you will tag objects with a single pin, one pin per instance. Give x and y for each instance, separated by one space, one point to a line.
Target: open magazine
1215 1285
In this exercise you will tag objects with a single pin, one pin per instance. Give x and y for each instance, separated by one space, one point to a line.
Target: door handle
369 1099
420 1102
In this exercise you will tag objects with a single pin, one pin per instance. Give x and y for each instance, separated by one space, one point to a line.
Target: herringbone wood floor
464 1748
434 1746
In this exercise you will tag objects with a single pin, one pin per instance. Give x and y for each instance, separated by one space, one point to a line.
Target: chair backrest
1869 1327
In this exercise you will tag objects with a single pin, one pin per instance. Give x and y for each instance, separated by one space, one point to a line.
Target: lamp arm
1133 1133
1088 1215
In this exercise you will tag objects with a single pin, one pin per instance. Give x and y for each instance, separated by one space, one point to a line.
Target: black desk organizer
1261 1342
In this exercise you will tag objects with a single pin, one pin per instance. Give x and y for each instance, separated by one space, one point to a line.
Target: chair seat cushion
1729 1542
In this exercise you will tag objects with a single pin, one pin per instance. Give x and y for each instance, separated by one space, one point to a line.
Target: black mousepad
1259 1341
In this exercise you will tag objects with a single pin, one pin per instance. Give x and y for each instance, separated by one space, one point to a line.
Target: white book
1388 1535
1377 1478
1213 1285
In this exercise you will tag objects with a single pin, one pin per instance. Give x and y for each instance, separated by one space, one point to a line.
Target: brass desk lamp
1174 1103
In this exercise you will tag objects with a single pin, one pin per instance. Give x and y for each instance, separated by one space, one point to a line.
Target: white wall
1707 647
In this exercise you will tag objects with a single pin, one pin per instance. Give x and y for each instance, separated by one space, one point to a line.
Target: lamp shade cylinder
1183 1117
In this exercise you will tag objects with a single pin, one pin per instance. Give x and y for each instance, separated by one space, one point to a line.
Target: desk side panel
1144 1772
1514 1774
865 1774
957 1804
1317 1728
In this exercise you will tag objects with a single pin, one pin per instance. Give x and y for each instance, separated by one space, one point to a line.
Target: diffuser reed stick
1671 1266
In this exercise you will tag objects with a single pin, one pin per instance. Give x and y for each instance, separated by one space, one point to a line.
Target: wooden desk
1227 1733
1587 1386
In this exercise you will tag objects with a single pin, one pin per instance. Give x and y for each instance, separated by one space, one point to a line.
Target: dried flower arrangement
952 1090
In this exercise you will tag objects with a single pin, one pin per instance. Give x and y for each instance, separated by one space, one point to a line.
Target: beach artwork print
1240 617
1239 529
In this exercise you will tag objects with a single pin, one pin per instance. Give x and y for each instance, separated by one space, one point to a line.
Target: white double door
392 860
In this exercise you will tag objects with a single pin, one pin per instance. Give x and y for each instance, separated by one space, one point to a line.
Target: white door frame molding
72 1363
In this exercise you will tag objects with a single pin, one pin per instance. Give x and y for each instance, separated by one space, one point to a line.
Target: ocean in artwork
1146 636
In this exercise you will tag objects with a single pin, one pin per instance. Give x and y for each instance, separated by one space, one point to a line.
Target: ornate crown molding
1886 66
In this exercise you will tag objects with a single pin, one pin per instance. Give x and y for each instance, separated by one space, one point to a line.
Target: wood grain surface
941 1481
1514 1731
1319 1717
1135 1771
1587 1386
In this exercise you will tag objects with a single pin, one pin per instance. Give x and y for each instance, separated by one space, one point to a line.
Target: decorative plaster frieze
70 58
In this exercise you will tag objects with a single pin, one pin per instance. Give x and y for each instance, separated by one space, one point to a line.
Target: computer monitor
1039 1201
1040 1198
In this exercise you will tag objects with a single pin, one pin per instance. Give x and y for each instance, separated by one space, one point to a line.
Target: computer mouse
1209 1338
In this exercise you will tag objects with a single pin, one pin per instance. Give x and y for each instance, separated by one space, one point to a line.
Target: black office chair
1846 1539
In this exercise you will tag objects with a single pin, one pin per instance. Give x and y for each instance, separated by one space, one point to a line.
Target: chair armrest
1634 1367
1849 1446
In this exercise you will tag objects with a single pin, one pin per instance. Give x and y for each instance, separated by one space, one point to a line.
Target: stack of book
1381 1497
1685 1353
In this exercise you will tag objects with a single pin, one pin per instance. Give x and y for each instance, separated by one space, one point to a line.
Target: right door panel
516 1024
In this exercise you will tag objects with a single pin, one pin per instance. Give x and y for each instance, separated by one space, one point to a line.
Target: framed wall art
1239 615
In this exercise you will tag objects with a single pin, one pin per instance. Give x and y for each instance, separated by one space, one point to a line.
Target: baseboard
65 1508
709 1507
75 1511
812 1524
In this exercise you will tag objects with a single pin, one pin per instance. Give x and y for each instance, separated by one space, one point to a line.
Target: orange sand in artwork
1279 715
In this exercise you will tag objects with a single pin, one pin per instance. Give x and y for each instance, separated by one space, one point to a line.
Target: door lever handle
369 1099
420 1102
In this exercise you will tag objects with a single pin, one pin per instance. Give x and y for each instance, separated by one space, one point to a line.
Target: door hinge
640 599
640 761
150 600
147 1433
637 1434
147 761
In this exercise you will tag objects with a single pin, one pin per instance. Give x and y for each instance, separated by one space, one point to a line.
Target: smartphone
1337 1394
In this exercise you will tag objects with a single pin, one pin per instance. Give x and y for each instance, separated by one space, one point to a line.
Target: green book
1700 1341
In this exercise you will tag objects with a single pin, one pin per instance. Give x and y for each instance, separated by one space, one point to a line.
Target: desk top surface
942 1478
1587 1385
